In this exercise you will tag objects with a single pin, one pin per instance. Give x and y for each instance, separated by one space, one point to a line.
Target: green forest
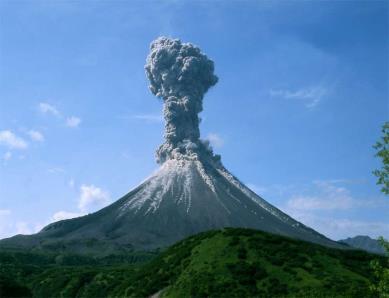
225 263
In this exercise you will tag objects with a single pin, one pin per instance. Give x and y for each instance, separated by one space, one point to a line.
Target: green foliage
12 288
380 286
64 275
227 263
382 147
247 263
384 243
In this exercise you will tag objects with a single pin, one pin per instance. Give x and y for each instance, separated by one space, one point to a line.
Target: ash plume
180 74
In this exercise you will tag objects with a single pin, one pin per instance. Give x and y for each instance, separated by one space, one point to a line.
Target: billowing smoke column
180 74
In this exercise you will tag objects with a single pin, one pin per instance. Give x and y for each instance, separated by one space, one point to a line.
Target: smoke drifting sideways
180 74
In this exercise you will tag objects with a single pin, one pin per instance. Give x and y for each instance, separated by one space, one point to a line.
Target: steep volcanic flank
191 192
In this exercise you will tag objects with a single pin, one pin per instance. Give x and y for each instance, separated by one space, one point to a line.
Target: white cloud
319 203
23 228
7 156
92 197
9 139
61 215
46 108
73 121
331 209
9 227
36 136
311 96
71 183
5 224
341 228
38 227
149 118
215 140
4 212
56 170
328 197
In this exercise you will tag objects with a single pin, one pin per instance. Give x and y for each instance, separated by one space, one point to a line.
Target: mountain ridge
365 243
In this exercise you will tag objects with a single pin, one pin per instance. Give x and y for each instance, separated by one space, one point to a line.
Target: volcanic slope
182 198
190 193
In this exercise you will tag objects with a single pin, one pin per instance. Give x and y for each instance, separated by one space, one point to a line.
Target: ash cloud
180 74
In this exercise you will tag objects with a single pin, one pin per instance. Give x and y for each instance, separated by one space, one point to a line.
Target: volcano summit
191 192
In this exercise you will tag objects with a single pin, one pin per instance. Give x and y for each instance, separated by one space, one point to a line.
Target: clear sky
302 94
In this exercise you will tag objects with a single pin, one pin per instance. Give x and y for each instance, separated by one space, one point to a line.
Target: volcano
191 192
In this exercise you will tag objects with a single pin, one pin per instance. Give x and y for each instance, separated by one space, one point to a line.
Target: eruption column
180 74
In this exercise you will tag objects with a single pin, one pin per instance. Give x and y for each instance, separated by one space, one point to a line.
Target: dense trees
227 263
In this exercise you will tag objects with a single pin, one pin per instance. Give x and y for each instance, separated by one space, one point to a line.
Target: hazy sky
301 97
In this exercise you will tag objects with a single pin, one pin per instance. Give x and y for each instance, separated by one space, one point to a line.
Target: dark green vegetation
226 263
382 147
381 273
21 271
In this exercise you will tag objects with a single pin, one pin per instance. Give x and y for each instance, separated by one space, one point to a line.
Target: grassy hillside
227 263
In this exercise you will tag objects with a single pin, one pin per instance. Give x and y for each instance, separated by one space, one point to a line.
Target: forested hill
224 263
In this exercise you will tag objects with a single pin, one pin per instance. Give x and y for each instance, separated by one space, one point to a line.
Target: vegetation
380 286
21 270
227 263
382 147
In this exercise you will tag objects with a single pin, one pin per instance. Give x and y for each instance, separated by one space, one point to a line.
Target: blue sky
301 97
